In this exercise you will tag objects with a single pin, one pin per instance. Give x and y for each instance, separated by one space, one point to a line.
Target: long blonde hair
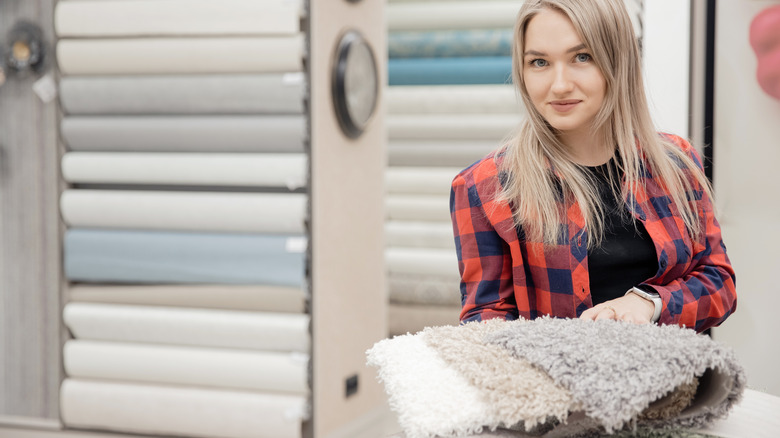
540 173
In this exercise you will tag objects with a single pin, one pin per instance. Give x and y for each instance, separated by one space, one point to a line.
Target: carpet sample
616 369
556 378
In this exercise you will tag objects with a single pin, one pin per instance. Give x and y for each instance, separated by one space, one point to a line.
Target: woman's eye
538 63
583 57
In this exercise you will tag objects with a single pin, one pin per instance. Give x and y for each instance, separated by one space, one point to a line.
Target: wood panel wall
30 328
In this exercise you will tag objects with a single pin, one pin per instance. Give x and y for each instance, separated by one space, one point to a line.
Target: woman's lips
564 106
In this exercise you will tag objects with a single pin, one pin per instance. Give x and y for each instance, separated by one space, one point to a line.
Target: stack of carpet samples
556 377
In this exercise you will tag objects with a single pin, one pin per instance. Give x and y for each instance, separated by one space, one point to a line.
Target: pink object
765 40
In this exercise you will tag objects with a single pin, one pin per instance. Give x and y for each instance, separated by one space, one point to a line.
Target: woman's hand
631 308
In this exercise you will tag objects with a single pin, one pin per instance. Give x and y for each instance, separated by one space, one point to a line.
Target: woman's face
565 85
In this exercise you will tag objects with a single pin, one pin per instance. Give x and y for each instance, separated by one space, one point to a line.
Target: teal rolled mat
93 255
450 43
450 71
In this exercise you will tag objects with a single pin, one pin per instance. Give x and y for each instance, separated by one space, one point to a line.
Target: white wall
667 62
747 160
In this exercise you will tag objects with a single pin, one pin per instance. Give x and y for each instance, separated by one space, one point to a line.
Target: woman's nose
562 82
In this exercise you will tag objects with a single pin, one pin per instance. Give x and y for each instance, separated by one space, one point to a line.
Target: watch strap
651 296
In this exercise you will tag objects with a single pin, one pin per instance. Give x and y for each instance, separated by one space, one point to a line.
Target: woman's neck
587 148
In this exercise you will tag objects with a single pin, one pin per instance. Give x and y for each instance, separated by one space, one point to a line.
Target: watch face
355 84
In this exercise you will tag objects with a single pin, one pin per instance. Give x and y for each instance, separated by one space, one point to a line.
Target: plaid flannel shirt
505 275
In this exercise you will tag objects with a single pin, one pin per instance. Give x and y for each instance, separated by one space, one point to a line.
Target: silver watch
651 296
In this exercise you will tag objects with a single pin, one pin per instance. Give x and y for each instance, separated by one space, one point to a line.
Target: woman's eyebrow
537 53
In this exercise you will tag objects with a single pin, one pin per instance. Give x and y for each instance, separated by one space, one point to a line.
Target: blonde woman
587 211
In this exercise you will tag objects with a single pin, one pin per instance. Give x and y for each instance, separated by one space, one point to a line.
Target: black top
626 256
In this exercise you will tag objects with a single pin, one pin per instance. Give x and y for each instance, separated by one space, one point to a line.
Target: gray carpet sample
617 369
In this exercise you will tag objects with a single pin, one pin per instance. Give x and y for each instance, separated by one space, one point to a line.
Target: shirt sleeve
484 258
706 295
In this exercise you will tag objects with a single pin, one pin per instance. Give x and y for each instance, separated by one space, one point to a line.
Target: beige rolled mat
79 18
185 211
443 153
420 180
265 331
452 14
411 318
280 54
422 261
226 297
419 234
418 208
424 289
180 411
204 169
493 127
452 99
173 365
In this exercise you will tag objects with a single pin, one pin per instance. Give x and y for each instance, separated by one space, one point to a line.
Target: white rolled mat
180 411
176 17
180 55
419 234
420 180
432 153
272 93
185 211
249 170
447 99
173 365
227 297
475 14
403 318
418 208
422 261
493 127
424 290
185 134
188 327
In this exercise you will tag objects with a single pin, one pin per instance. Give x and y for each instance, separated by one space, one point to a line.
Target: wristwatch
652 296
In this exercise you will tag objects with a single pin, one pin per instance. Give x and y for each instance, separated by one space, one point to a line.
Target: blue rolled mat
93 255
450 71
450 43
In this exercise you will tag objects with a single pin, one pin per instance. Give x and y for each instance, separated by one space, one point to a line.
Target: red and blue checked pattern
506 275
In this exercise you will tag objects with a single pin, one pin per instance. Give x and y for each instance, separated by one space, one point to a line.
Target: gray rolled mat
185 134
411 318
419 234
452 153
431 290
93 255
273 93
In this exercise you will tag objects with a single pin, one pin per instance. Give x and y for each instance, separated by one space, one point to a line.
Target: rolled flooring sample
449 43
180 411
452 14
185 211
182 169
78 18
432 153
225 297
489 127
420 180
452 99
412 234
150 56
185 133
450 71
271 93
426 290
143 257
173 365
263 331
411 318
422 261
418 208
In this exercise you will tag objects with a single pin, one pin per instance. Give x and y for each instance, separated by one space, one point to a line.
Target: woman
587 211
